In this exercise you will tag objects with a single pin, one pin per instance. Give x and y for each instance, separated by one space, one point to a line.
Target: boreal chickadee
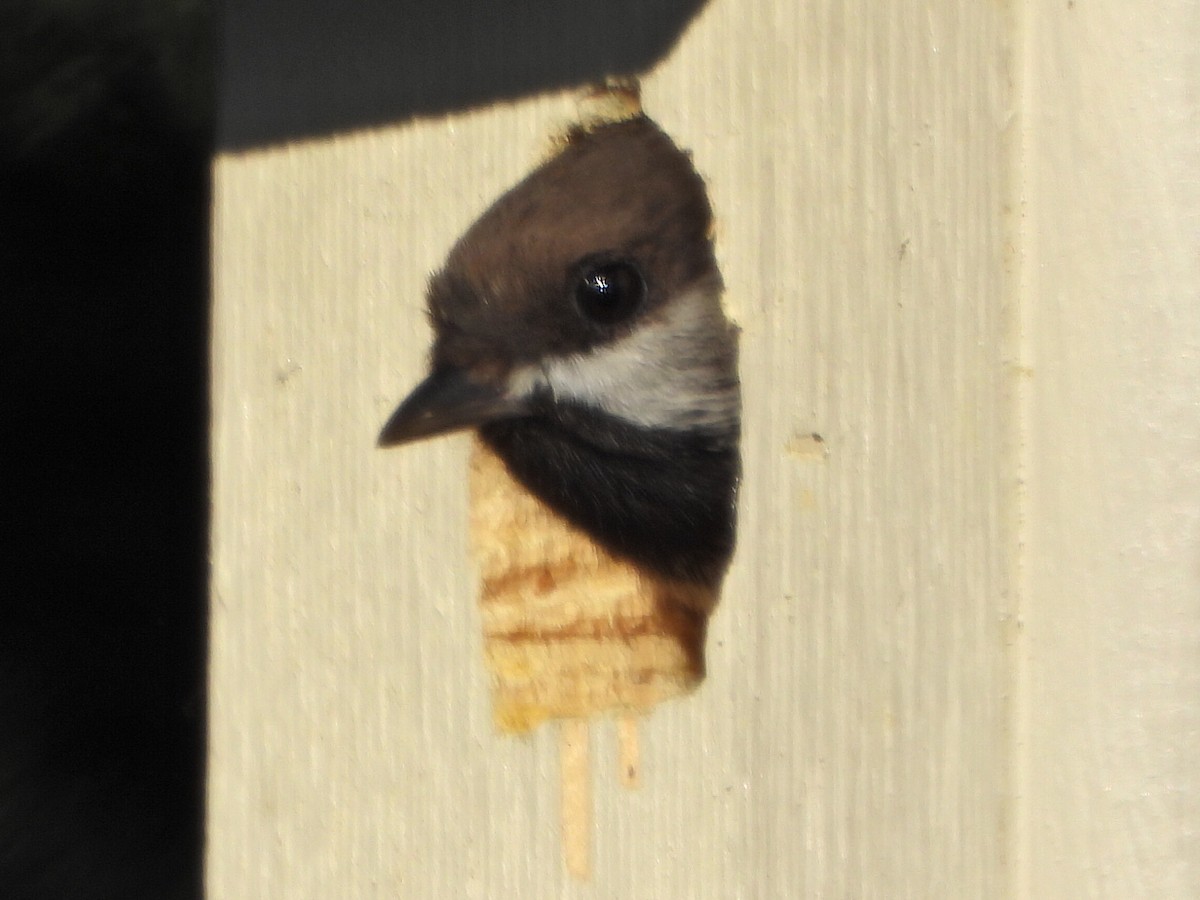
578 326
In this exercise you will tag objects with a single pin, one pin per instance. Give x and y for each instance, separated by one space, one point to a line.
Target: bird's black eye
611 292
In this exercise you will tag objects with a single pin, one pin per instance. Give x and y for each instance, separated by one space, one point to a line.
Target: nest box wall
857 734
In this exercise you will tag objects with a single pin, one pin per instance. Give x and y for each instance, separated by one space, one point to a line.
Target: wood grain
570 631
1110 646
852 738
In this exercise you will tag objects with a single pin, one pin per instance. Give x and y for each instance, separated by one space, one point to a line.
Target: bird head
578 325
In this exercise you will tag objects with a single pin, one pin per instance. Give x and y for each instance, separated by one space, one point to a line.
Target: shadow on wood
316 68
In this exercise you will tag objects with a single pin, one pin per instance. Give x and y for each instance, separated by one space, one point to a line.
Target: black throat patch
662 498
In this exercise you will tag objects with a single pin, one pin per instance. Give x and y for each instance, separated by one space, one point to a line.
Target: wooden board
1109 722
946 229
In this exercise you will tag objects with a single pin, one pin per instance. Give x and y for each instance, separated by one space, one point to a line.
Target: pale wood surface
852 739
1109 773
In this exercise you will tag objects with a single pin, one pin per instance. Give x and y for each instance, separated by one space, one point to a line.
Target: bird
578 328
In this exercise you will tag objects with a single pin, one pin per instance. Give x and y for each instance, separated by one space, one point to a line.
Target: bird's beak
449 399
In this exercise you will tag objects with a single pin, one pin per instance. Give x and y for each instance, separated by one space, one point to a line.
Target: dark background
106 114
108 119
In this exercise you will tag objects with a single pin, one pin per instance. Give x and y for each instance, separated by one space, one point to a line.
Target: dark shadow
105 148
309 67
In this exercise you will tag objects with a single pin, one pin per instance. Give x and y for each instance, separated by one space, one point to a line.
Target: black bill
449 399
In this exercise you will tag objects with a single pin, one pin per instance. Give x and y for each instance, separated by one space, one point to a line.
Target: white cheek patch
677 371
